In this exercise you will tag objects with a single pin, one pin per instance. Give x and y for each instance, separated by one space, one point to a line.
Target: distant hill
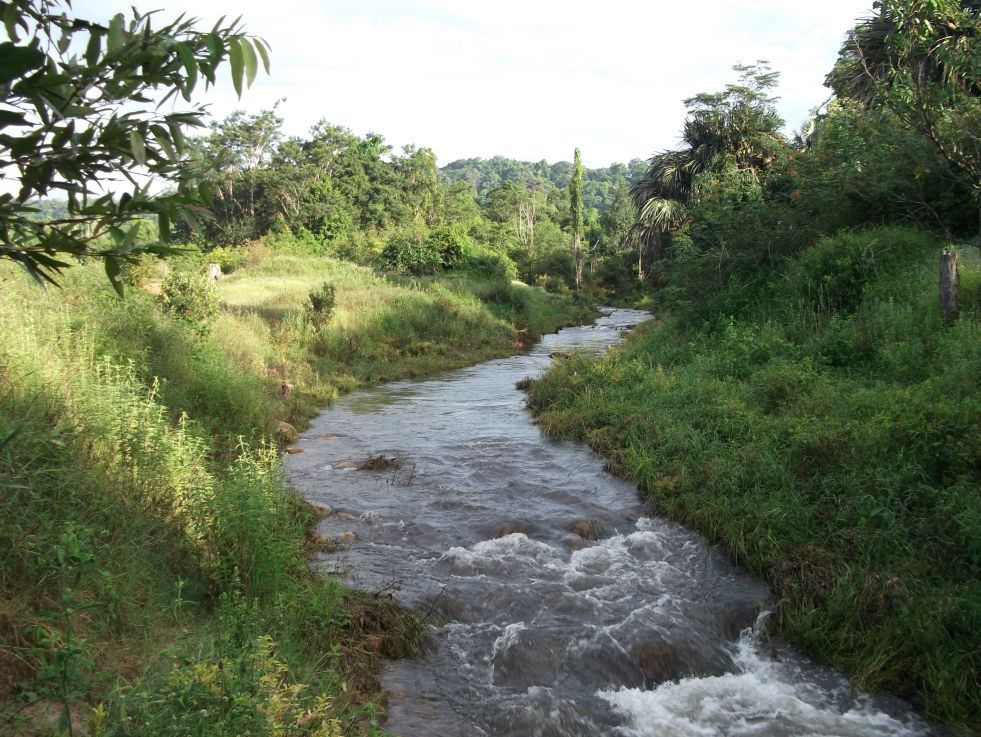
50 209
485 175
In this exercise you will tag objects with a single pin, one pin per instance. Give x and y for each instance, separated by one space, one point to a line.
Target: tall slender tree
575 211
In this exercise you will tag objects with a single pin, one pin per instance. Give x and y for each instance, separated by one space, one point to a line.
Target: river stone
741 615
659 663
509 528
346 538
586 529
294 451
286 432
345 466
320 509
575 542
529 657
328 436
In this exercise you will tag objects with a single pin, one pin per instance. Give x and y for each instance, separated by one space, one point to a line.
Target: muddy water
557 605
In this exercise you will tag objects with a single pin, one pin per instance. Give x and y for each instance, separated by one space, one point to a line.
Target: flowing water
557 605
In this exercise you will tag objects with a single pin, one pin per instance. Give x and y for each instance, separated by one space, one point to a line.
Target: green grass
832 446
382 328
153 562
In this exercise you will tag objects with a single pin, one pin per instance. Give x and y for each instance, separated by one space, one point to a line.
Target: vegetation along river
557 604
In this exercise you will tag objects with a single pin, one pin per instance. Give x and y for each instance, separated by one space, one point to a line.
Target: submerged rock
587 529
659 663
294 451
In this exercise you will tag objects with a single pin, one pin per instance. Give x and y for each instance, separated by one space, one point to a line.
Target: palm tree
738 126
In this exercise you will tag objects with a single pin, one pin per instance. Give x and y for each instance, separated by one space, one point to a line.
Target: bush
322 302
145 268
300 243
190 298
410 252
417 252
228 258
359 247
552 283
495 264
834 272
451 245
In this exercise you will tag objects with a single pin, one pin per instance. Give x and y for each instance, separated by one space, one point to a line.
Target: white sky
526 79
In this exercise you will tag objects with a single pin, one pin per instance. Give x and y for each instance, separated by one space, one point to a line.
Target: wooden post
948 285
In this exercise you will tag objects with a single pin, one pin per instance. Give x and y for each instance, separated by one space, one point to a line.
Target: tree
575 212
81 116
738 127
921 59
234 159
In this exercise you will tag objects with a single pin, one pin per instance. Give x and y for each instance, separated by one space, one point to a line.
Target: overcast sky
526 79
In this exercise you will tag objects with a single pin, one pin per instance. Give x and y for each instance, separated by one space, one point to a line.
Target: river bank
834 452
155 575
555 602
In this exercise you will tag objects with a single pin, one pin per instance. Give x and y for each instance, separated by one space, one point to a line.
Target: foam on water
761 697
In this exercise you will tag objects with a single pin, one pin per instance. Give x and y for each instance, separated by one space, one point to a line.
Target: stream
557 604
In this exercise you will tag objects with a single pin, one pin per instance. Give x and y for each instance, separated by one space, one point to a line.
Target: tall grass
153 563
381 328
831 443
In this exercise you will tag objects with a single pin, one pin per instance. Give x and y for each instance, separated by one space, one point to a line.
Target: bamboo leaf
250 58
237 63
117 38
190 67
139 147
114 268
94 48
260 46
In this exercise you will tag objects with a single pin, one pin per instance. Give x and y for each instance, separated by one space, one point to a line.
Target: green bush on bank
831 445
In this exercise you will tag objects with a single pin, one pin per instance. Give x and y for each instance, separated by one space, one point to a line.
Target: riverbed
556 603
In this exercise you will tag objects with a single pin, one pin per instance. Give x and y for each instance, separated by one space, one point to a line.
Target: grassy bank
829 440
153 563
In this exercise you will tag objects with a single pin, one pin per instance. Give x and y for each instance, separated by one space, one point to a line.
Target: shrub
229 258
322 302
552 283
451 245
145 268
833 273
360 247
190 298
410 252
495 264
300 243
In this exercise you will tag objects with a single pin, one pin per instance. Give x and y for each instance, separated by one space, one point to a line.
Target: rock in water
286 432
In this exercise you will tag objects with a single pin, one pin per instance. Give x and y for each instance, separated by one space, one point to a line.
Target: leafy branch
81 110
